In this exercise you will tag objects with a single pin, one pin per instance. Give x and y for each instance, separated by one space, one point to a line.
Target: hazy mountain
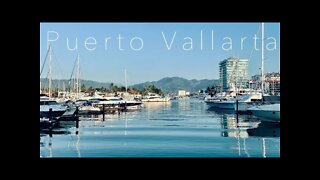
174 84
59 83
167 85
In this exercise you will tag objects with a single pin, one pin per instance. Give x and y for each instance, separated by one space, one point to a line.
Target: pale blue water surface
181 128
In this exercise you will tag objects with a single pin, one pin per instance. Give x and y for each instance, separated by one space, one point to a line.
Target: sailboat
266 112
48 106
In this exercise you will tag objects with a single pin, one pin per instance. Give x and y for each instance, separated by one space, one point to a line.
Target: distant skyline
152 51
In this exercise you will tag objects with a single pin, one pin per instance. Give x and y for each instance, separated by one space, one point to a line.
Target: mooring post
77 124
77 117
50 114
50 131
103 105
119 109
237 106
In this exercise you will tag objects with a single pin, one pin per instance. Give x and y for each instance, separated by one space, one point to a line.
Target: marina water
180 128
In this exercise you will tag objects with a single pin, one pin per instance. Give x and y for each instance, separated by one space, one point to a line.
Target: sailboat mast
50 76
237 77
262 58
78 76
125 77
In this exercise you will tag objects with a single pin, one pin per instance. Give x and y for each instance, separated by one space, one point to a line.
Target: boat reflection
46 145
62 127
241 128
246 127
234 126
220 111
157 105
265 129
184 105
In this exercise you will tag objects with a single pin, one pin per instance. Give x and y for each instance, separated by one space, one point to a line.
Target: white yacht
153 97
118 102
228 102
46 104
267 112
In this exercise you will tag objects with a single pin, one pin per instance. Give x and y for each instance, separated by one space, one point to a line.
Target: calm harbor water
181 128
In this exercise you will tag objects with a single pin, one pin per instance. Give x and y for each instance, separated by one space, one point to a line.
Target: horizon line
140 82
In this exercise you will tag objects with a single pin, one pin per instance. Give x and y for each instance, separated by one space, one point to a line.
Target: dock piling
119 109
77 117
50 114
103 112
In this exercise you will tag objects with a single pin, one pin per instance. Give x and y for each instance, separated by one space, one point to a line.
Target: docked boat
265 129
87 107
46 104
117 102
267 112
228 102
153 97
223 103
271 98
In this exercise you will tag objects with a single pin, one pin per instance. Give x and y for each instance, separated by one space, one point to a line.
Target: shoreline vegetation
168 85
111 89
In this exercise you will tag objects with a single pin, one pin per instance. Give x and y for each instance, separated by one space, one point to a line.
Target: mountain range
174 84
167 85
65 83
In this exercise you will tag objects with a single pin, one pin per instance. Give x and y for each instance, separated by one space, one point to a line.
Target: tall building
233 71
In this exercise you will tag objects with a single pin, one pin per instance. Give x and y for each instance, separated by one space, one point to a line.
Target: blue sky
154 61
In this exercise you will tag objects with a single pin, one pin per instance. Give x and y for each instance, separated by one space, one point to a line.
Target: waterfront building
271 80
233 71
181 93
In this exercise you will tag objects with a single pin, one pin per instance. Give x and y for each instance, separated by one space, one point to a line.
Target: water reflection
184 105
58 128
165 129
242 127
99 117
234 127
152 109
47 138
265 129
220 111
157 105
247 125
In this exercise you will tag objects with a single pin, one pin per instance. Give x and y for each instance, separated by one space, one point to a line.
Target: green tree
122 89
114 89
151 89
83 88
111 86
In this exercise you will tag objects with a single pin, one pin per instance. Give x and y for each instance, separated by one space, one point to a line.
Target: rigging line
47 75
45 59
55 83
58 65
75 62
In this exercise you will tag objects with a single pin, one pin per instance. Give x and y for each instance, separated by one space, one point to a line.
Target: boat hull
46 114
156 100
271 116
222 104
